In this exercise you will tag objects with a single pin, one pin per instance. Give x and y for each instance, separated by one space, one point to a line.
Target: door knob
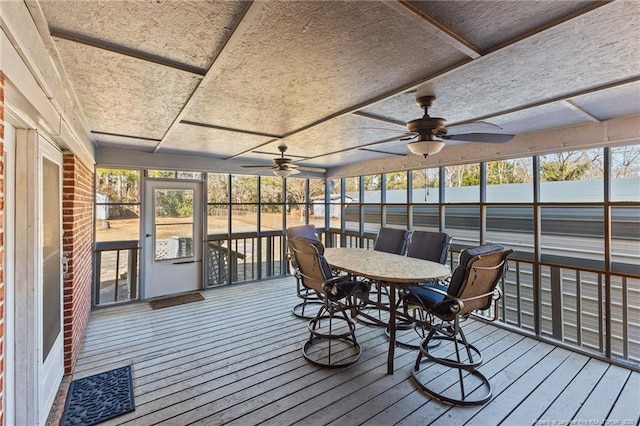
148 235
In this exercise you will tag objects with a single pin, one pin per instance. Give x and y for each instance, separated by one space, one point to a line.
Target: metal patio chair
450 371
311 302
388 240
332 340
427 245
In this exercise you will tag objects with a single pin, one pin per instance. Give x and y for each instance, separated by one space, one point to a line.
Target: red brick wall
77 224
2 322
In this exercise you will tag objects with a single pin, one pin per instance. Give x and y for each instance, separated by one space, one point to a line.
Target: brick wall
2 322
77 219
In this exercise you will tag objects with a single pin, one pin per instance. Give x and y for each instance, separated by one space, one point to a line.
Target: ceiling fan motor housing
427 125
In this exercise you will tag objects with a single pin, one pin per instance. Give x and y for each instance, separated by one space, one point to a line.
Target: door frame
148 222
9 280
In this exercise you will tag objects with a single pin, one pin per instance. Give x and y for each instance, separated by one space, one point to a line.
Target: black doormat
100 397
175 300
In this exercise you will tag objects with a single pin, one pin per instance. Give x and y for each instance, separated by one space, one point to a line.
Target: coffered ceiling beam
437 29
123 50
575 107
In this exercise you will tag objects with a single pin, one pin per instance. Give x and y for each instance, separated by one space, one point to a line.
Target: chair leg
453 380
371 313
311 302
334 345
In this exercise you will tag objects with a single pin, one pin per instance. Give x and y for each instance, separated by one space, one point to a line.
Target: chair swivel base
468 387
307 309
334 346
454 381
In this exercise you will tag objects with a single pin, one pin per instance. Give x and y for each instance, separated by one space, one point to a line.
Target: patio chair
389 240
427 245
332 340
308 308
433 246
452 374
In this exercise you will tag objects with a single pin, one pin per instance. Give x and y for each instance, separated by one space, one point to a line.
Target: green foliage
174 203
218 188
118 185
373 183
397 180
463 175
565 166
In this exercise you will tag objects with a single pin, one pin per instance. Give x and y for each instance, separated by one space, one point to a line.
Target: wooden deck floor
235 358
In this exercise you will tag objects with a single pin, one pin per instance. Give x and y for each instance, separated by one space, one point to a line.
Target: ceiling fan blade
384 129
312 169
479 137
473 127
257 166
408 138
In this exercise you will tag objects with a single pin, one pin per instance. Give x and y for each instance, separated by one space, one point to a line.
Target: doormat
175 300
100 397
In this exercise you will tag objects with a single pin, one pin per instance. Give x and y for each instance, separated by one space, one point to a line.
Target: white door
49 291
36 299
173 238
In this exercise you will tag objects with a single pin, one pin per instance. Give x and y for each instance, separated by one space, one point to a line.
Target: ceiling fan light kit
426 147
282 172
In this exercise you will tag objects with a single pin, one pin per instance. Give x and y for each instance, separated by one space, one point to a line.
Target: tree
462 175
397 180
509 171
218 188
625 161
564 166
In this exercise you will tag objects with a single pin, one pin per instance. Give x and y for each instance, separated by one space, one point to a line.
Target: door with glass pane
49 291
173 238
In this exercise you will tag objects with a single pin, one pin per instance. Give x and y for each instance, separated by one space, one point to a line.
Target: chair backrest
392 240
312 266
427 245
308 231
478 273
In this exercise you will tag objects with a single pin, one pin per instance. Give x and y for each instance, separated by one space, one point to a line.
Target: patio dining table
390 270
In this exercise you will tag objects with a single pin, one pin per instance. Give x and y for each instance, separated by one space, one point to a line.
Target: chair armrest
456 303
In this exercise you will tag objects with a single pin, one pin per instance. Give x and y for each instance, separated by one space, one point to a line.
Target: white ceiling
234 79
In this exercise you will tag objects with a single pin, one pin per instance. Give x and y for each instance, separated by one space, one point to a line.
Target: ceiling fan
431 132
283 166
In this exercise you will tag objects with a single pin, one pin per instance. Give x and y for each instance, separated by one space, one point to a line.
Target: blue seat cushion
421 295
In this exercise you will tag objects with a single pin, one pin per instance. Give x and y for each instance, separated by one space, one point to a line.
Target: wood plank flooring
235 358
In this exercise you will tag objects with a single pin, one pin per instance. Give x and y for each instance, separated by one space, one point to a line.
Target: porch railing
115 272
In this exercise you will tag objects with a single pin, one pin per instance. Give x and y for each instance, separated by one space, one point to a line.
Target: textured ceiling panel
611 103
299 62
525 73
486 26
123 95
539 118
344 158
207 141
191 32
349 131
